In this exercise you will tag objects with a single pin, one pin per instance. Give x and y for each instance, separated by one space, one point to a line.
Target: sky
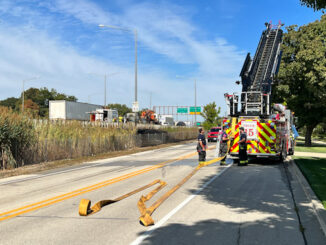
60 44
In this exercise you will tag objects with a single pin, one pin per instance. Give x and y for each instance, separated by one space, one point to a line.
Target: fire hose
85 208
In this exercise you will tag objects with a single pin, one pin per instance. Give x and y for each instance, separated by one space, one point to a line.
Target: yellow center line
56 199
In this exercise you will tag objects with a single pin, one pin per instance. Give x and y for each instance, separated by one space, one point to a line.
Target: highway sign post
135 106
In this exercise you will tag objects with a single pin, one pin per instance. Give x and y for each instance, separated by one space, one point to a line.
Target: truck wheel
283 155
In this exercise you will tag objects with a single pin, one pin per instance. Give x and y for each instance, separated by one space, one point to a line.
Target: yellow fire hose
145 218
85 204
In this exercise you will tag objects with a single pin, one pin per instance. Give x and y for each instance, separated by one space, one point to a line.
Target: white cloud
163 29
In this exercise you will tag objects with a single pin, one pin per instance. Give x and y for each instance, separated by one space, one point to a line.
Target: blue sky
60 41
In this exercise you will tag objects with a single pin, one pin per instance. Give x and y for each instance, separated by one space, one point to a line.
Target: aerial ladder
257 75
268 128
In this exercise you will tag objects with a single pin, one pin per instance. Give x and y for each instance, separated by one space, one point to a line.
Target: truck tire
283 154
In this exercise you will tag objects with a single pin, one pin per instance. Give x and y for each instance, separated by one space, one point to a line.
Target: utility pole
104 90
195 103
23 97
135 32
150 101
135 104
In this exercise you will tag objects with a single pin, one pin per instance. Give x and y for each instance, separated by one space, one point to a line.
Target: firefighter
243 157
201 146
224 145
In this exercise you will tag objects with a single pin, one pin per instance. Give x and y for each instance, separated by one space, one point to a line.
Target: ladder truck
268 126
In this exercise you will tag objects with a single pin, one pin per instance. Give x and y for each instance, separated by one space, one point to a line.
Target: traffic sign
135 106
182 110
195 109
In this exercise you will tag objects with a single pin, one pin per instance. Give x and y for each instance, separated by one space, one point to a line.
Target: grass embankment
318 148
314 169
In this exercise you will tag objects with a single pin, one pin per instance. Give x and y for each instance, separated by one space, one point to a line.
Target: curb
317 206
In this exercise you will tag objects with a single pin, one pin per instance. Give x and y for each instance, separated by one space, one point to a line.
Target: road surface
218 205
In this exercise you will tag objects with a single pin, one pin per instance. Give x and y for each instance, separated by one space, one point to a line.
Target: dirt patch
39 167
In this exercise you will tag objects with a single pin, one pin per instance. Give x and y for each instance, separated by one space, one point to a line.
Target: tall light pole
23 93
136 37
104 89
105 82
195 103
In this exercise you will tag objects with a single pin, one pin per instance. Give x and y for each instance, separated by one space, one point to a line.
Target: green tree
9 102
122 108
320 131
302 76
315 4
210 114
42 97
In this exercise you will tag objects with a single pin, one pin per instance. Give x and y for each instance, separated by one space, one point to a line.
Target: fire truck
268 125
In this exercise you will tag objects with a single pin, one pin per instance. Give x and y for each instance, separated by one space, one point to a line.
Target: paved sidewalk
310 154
319 142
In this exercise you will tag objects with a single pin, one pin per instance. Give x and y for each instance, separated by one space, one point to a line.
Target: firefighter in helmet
243 157
224 144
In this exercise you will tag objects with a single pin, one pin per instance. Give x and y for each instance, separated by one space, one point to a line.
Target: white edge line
175 210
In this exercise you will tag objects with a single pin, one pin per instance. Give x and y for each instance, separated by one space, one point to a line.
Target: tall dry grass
70 139
26 141
17 134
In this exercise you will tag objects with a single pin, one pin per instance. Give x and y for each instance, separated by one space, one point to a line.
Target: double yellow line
59 198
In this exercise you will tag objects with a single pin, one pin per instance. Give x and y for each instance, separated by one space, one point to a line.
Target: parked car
213 134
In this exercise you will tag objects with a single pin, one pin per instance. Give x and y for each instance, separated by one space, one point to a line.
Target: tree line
36 100
301 81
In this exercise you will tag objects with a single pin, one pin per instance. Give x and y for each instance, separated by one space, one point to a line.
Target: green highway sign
198 109
182 110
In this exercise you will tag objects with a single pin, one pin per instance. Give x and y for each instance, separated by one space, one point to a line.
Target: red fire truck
268 126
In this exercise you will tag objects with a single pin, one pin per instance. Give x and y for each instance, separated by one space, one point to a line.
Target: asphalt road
218 205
